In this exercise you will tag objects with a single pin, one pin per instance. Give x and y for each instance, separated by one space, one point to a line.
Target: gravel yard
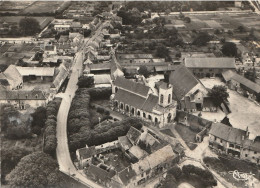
244 112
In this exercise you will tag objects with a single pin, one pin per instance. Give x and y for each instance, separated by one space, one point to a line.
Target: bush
100 93
205 175
175 171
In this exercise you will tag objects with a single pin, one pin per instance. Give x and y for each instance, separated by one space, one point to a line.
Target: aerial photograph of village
130 94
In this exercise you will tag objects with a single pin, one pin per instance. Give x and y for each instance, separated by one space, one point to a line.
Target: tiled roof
49 48
102 79
207 62
22 95
133 134
99 174
102 66
11 73
182 81
132 86
37 71
86 153
129 98
138 152
126 175
160 156
253 145
62 75
230 75
227 133
124 141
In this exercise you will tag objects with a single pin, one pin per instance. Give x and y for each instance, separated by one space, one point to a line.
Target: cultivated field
43 21
45 7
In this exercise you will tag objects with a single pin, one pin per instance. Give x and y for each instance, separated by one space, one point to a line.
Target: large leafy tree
29 26
218 94
229 49
86 82
201 39
39 117
36 170
144 71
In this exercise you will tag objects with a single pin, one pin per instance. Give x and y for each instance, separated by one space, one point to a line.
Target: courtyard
244 112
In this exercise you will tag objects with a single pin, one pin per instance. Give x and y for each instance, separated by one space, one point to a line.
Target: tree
250 74
241 29
187 19
37 170
85 82
218 94
29 26
144 71
39 118
21 63
202 39
10 158
229 49
162 52
176 172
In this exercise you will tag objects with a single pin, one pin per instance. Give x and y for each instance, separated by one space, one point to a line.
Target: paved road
63 155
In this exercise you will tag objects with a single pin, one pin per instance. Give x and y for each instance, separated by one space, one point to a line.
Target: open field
43 21
45 7
10 6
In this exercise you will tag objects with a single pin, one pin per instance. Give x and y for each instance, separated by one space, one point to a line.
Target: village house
188 90
11 78
154 165
23 99
135 58
76 38
136 99
209 67
63 73
234 142
239 83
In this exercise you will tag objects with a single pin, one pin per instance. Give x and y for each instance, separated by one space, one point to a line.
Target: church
137 99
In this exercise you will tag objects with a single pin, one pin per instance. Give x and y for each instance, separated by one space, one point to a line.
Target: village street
63 155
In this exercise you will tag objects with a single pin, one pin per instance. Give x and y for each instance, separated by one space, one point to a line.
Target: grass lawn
168 132
105 103
223 165
192 180
187 135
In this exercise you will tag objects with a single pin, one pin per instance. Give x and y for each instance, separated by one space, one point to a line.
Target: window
245 155
161 101
144 115
138 113
220 141
231 145
210 70
200 70
253 157
169 98
255 152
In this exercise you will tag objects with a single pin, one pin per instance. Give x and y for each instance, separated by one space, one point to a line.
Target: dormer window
36 96
26 96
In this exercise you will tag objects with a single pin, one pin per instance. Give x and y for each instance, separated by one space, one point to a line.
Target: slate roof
230 75
227 133
132 86
150 103
99 173
37 71
182 81
129 98
21 95
210 62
